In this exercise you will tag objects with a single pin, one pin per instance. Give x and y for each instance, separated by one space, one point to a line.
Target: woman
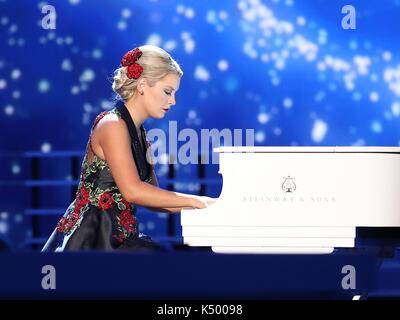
115 175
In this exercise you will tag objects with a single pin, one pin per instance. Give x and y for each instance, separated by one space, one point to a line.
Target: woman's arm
115 142
154 182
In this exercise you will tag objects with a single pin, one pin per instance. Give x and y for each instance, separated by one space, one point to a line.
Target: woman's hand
201 202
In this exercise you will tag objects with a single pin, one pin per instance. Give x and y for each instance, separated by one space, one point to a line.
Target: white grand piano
297 199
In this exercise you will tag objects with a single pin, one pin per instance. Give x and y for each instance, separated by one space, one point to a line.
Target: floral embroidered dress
100 217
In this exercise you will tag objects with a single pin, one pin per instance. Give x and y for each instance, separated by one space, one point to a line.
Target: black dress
99 217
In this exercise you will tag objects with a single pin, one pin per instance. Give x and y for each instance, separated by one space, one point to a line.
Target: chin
159 116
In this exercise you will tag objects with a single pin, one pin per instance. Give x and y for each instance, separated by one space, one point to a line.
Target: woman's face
159 98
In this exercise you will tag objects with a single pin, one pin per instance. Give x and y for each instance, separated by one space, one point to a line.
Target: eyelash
168 93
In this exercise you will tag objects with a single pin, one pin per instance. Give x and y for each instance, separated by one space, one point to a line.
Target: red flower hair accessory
131 57
134 70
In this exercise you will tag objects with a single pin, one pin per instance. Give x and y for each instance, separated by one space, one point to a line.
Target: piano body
302 200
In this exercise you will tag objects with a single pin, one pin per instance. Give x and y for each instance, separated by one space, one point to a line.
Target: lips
165 109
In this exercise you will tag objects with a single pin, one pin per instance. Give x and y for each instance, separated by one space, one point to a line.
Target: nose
172 101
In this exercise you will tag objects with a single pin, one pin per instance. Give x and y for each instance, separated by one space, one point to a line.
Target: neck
136 110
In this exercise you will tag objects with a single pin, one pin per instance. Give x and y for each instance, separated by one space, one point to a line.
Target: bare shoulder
110 136
112 126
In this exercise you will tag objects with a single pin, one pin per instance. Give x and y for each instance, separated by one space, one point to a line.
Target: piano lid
308 149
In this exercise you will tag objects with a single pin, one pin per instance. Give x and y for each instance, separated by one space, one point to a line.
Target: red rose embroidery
105 201
126 203
82 199
130 57
126 221
77 208
134 71
61 225
67 223
84 194
74 216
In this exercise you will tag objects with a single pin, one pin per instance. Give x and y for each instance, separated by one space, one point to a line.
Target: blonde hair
156 63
